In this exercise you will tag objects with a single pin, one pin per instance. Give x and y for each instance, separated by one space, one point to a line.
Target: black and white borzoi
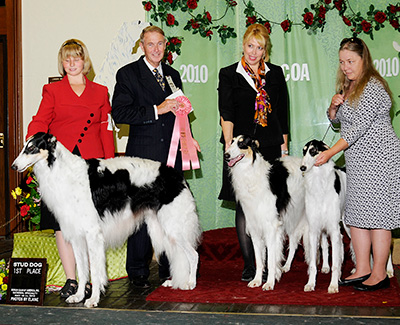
99 203
272 198
325 194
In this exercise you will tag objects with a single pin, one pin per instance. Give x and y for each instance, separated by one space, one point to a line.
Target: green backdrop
309 63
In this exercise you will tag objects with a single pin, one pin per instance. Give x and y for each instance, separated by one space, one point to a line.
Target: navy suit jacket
135 94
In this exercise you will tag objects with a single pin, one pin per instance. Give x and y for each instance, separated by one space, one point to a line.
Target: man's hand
168 105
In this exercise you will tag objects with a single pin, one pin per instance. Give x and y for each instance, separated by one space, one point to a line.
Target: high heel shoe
384 284
352 282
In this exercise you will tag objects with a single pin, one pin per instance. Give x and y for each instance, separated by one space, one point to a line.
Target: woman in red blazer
76 111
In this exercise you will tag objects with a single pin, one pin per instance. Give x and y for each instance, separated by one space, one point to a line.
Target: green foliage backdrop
308 57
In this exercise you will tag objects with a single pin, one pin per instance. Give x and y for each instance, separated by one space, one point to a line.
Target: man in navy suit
140 100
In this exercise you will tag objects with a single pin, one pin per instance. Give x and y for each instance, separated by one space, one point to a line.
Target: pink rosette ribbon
183 134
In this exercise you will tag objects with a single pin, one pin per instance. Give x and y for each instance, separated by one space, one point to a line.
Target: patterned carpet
220 272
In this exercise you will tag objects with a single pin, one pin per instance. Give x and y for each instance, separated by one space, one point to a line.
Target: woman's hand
322 158
337 100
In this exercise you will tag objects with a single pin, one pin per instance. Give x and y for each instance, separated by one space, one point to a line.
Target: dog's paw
325 269
254 284
268 286
333 288
309 287
286 268
74 299
390 273
191 285
167 283
91 303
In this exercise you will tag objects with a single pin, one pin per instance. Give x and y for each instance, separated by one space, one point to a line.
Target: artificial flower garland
313 19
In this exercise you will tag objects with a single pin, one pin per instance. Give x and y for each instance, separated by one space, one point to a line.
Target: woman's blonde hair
359 47
260 34
76 49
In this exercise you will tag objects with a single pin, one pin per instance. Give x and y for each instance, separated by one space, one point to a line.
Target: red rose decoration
209 33
5 280
328 1
194 23
268 27
380 17
322 12
233 3
338 4
346 21
175 41
251 20
29 180
170 19
308 18
147 6
192 4
394 23
24 210
170 1
169 58
393 9
366 26
208 16
285 25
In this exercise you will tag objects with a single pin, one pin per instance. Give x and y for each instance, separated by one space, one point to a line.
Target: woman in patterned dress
372 153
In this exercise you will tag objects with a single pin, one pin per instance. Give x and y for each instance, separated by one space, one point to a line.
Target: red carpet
220 272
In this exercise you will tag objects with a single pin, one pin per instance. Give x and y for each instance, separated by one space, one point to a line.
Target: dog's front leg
81 257
259 253
274 245
312 262
337 260
97 258
325 253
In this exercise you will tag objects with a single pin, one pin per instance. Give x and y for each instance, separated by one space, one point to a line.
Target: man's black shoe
140 281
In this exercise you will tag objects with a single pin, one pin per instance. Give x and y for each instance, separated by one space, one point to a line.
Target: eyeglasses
351 40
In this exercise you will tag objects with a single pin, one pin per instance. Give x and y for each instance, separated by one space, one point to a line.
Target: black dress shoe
384 284
140 282
248 273
352 282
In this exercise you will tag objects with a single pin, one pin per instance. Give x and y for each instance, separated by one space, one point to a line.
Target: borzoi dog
325 193
272 196
99 203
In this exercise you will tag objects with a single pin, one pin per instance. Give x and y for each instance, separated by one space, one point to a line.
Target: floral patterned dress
372 161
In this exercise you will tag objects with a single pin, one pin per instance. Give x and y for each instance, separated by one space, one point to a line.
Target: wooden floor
122 295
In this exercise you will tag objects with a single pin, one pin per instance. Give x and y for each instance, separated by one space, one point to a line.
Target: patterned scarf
262 104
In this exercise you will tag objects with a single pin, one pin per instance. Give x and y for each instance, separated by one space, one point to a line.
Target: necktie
159 79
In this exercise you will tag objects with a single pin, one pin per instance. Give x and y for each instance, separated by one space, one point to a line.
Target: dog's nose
303 168
227 156
14 167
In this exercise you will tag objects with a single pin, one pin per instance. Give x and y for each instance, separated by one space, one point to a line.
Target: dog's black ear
322 146
51 141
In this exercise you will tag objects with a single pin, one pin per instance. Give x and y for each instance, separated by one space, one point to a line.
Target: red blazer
76 121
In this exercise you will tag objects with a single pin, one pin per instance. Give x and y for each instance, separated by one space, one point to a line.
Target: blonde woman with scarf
252 100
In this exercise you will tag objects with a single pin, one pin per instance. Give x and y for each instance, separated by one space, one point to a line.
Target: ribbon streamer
182 134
